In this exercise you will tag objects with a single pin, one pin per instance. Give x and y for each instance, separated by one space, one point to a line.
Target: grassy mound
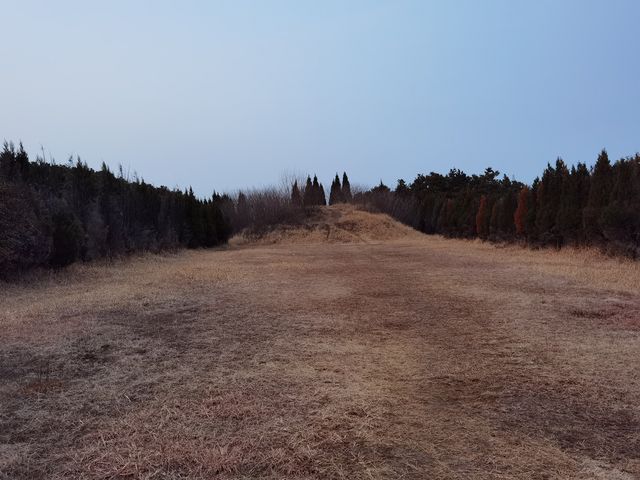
334 224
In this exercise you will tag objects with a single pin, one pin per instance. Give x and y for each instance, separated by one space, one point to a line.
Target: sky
223 95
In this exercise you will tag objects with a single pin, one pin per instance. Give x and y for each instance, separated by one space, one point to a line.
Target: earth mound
333 224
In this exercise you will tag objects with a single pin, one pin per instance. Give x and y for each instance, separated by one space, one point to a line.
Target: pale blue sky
222 95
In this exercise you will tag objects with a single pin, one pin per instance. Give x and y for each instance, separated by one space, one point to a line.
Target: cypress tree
308 197
296 198
22 162
346 188
530 219
8 167
619 220
569 218
505 222
481 218
520 215
322 199
549 196
494 222
599 194
335 194
315 191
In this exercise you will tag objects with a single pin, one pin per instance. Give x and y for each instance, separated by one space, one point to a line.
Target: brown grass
340 223
369 352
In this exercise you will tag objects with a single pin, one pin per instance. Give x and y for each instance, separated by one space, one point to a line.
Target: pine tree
346 188
335 194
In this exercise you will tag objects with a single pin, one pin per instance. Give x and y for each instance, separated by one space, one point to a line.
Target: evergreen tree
530 219
619 220
22 162
522 209
8 165
481 218
296 198
335 194
505 222
549 196
494 222
599 194
315 189
402 190
308 197
322 199
346 188
572 198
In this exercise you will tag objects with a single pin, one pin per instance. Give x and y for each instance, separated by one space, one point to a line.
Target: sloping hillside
334 224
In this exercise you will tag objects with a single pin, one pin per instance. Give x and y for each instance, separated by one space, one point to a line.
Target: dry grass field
352 348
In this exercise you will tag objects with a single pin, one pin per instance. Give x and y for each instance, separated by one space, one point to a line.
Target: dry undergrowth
358 350
337 224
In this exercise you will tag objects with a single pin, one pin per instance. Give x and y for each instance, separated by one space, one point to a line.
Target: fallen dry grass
337 224
359 350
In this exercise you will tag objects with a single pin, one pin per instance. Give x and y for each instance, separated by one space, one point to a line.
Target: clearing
350 348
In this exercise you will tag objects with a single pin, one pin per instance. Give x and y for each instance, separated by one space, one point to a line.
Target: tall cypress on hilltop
296 198
346 188
322 199
308 197
335 194
315 191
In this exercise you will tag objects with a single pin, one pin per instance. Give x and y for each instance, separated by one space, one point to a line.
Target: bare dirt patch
354 348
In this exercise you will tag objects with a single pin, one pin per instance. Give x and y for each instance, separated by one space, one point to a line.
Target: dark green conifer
335 194
296 198
346 188
315 189
322 199
308 196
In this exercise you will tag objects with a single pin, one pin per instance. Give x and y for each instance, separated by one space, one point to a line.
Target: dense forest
52 215
581 206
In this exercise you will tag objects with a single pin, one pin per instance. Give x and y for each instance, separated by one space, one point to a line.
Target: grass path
404 358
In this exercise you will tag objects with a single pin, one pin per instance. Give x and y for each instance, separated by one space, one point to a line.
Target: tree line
581 206
52 215
313 193
258 211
